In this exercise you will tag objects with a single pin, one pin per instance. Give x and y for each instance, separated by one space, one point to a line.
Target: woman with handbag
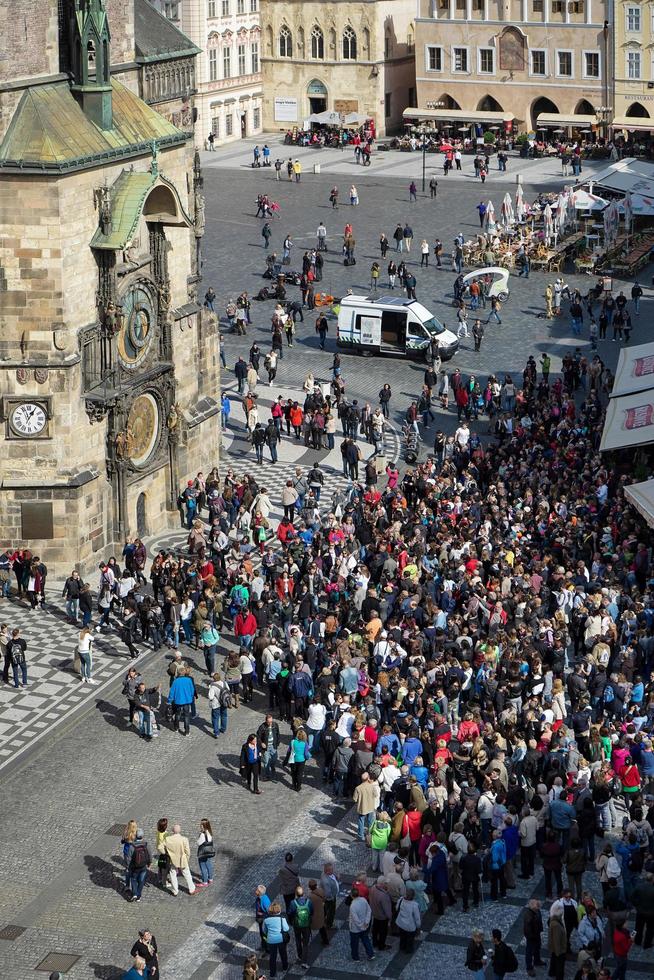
250 763
277 933
206 854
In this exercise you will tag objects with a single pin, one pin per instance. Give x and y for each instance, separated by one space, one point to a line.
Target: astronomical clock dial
136 325
143 429
28 420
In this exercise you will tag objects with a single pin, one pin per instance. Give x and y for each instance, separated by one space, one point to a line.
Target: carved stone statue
109 321
172 421
120 445
199 214
163 291
103 198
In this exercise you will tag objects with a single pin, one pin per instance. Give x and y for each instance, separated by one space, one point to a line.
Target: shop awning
641 495
626 122
629 422
547 119
458 115
635 370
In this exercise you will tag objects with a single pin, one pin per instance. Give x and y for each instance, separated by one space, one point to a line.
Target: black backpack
140 857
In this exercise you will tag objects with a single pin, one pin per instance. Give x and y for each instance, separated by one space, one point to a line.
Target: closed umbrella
519 204
549 223
561 212
507 210
489 218
628 208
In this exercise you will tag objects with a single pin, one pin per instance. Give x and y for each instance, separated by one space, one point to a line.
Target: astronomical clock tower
109 367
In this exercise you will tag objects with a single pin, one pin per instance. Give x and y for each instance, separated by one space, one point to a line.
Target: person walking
433 188
478 334
146 948
496 306
181 697
206 853
139 860
15 657
220 700
407 232
275 926
374 277
413 191
300 914
178 851
298 754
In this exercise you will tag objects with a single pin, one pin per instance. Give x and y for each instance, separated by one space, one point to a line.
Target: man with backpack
504 959
300 912
138 862
220 700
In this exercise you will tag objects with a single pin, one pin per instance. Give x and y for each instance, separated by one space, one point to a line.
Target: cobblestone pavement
73 772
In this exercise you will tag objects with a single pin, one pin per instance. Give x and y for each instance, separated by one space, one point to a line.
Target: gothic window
285 43
349 44
317 43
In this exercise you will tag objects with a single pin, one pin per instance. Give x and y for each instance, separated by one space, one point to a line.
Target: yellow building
633 38
345 57
520 64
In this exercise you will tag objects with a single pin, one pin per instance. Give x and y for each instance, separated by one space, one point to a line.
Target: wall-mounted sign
285 110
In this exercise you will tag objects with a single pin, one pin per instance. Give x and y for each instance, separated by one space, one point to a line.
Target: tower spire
90 61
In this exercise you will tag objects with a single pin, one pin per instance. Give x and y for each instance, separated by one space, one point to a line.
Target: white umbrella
585 201
561 212
489 218
519 203
549 224
628 208
507 210
611 219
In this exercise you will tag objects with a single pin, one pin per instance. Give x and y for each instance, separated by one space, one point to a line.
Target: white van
391 325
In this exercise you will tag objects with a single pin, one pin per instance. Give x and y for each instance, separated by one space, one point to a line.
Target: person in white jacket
408 920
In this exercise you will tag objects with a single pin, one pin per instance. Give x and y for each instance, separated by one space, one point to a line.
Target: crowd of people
466 652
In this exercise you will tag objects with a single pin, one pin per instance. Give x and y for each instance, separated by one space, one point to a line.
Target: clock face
28 419
143 427
136 324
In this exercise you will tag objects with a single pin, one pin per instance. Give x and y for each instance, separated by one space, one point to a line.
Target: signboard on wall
285 110
346 105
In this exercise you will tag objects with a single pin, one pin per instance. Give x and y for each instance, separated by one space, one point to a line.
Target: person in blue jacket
274 927
421 773
411 749
181 697
439 881
389 739
511 838
497 856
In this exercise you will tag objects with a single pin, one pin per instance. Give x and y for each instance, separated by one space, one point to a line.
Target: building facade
513 61
166 61
346 57
108 365
633 38
229 99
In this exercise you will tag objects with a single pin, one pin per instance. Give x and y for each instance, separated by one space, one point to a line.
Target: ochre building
516 64
343 57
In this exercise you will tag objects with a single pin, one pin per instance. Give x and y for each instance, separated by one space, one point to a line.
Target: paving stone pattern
72 770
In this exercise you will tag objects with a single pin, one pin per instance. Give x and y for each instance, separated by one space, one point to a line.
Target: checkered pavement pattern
54 690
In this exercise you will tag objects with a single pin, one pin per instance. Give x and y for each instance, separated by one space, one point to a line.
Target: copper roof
50 132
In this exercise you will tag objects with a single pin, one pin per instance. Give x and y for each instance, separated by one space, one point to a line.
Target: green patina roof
128 195
50 132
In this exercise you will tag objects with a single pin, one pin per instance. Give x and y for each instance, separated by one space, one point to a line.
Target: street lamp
603 112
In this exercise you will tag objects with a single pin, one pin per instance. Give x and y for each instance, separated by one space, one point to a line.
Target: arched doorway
449 102
585 108
539 106
637 111
141 515
489 104
317 92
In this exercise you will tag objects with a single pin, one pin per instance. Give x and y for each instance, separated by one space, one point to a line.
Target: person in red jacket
245 627
285 531
622 943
